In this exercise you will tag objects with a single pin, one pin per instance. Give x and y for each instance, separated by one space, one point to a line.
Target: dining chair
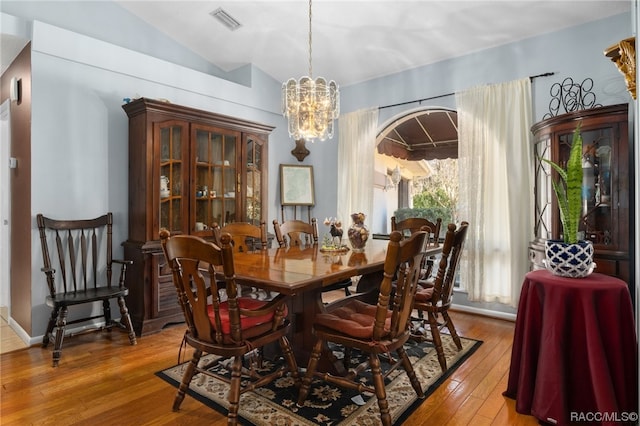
78 265
373 329
226 325
245 237
413 224
297 233
435 300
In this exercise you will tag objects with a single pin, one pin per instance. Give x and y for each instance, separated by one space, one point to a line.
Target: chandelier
310 105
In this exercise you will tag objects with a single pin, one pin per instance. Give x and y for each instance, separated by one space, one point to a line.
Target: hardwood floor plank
102 380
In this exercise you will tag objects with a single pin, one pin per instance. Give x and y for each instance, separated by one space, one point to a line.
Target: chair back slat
296 232
449 262
82 249
402 266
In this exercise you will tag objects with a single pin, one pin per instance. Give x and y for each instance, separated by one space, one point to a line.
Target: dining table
302 271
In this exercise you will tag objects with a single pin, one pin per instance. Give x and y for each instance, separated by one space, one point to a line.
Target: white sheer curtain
496 195
356 149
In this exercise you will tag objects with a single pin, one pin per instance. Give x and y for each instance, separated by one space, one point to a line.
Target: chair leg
452 330
411 374
287 352
311 368
186 379
106 309
437 341
126 320
381 393
60 326
234 391
52 322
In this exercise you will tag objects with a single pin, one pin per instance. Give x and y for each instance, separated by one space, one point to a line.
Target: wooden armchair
224 325
297 233
374 329
435 300
413 224
81 274
245 237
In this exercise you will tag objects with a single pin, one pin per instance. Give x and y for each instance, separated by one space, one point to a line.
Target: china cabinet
188 170
606 203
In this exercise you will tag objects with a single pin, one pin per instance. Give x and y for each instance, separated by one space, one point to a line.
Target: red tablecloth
575 353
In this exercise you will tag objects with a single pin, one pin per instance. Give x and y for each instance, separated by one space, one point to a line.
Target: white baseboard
484 312
37 340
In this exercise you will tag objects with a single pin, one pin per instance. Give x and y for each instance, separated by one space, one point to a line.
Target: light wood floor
102 380
9 340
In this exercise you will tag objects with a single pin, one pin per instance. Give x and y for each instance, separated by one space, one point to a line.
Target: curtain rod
546 74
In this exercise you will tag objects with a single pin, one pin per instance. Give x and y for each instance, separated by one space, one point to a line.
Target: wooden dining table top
302 268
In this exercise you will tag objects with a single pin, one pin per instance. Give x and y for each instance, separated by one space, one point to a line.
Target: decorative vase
358 233
569 260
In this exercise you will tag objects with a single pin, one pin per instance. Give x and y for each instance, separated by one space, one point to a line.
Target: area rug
326 404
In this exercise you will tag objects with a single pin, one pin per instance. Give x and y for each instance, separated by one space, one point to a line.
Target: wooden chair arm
48 270
269 307
345 300
123 270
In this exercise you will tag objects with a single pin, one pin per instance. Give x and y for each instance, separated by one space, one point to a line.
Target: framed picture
296 185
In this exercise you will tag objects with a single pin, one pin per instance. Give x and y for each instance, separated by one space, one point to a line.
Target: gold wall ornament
623 55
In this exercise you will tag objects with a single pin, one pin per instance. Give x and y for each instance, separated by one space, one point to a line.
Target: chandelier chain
310 66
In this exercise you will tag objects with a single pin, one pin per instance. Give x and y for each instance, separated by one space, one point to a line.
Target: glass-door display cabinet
188 170
606 189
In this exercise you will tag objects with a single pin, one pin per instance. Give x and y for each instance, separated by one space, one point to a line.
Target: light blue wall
84 65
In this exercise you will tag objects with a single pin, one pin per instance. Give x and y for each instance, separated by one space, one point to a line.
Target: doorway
5 210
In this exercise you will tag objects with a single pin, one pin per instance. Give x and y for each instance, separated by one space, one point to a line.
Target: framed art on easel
296 185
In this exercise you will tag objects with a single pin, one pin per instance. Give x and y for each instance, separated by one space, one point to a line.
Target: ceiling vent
228 20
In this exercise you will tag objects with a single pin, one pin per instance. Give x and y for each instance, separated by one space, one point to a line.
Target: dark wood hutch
188 169
607 186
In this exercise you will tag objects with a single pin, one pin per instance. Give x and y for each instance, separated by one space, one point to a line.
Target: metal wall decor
300 151
571 97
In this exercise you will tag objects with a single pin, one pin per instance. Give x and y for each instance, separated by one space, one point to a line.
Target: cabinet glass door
597 197
543 189
172 174
215 178
254 175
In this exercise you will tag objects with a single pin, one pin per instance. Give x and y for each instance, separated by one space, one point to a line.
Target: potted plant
571 257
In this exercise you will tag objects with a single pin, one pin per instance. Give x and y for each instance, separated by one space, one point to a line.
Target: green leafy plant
568 189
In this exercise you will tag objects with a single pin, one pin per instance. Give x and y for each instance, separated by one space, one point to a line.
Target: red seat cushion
424 295
354 319
246 323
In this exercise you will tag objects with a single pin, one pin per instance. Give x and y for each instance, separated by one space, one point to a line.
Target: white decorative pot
569 260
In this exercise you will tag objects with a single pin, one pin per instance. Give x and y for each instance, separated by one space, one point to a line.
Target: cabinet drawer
164 300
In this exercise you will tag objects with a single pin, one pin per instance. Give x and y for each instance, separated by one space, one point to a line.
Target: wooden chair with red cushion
224 324
435 300
374 329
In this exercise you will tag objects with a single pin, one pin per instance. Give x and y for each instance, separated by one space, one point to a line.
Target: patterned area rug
326 404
